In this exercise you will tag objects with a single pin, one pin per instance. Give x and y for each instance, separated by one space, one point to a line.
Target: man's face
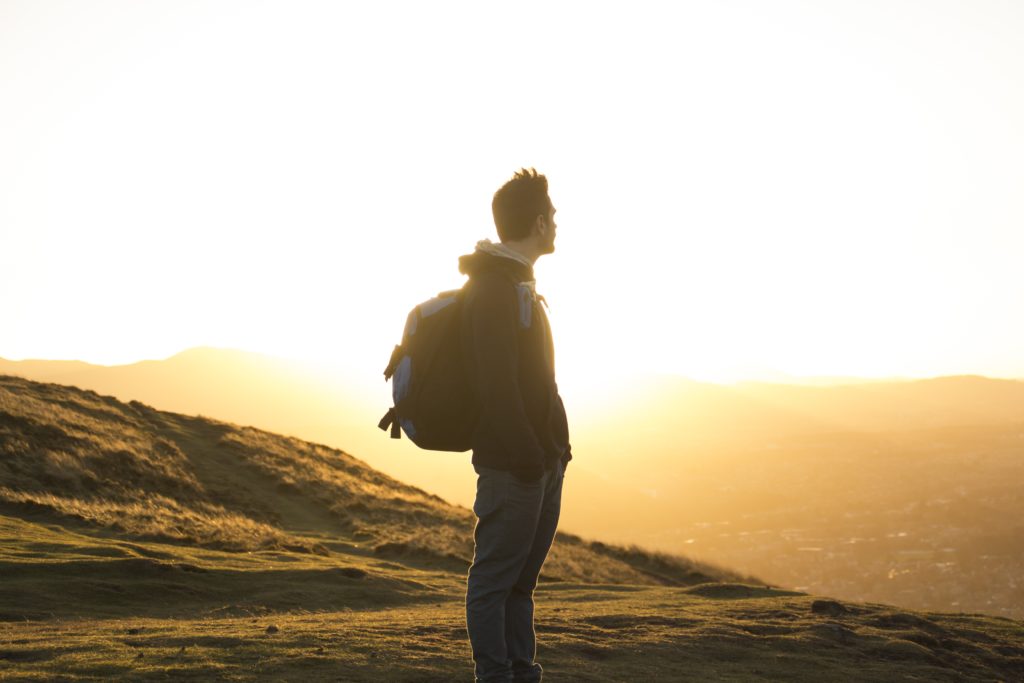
548 238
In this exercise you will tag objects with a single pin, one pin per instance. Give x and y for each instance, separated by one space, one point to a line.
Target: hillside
318 404
660 420
898 492
133 472
151 545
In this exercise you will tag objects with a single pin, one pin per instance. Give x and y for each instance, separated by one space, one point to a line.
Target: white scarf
499 249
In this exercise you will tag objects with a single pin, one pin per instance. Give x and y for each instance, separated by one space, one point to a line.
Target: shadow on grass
146 587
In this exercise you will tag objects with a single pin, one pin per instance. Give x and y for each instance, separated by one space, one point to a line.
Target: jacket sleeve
562 427
494 337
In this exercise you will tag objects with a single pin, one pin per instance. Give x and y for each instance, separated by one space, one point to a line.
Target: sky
745 190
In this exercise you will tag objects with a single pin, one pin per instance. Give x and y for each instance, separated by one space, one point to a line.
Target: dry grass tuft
163 519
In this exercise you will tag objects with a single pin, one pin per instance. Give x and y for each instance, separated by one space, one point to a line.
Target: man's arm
562 425
494 335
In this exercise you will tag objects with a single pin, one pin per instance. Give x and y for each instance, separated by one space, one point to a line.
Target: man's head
524 214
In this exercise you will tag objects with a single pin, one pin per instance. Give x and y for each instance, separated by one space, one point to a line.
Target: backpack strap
396 358
390 419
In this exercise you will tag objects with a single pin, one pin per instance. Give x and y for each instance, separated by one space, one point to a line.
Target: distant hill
237 386
665 412
905 493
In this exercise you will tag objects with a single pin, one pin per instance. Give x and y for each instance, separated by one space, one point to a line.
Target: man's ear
540 225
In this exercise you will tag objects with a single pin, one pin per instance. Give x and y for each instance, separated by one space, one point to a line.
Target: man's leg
520 636
507 513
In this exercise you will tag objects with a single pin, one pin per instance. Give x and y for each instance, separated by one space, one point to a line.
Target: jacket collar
489 256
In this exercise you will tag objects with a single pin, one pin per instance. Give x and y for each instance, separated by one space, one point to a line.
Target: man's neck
524 249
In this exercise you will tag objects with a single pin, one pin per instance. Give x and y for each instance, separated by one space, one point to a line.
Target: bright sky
743 188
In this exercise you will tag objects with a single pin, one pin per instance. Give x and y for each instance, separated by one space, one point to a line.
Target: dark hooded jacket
510 363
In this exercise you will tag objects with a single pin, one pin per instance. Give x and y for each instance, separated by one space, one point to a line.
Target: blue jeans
516 523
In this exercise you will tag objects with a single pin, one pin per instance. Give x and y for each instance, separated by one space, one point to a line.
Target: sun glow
745 192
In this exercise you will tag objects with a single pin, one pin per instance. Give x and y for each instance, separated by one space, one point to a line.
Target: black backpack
434 404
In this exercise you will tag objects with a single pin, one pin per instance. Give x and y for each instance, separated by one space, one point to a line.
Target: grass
586 633
142 545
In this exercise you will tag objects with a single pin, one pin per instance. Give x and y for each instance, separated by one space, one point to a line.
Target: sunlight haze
744 189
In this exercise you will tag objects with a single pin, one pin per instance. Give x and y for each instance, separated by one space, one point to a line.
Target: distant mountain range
245 387
656 419
752 475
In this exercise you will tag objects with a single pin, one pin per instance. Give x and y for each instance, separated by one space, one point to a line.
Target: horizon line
783 378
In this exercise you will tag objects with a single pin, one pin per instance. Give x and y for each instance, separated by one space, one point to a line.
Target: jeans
516 524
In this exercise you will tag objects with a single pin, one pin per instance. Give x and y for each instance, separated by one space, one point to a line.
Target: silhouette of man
521 445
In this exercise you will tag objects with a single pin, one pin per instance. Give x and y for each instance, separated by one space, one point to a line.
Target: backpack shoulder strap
396 358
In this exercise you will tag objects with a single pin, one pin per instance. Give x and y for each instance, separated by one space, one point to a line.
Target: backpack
433 401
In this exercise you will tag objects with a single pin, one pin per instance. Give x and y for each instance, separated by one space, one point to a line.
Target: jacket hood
486 259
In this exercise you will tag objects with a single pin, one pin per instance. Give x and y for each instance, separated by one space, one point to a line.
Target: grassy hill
902 492
129 471
143 544
315 403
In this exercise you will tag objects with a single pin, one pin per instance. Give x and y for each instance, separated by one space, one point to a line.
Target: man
521 445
